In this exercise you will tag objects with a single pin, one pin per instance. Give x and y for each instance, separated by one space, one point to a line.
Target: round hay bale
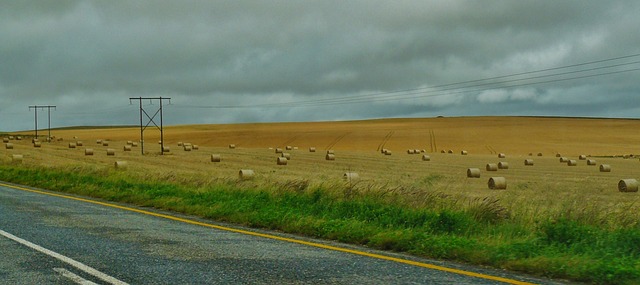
605 168
350 176
282 160
8 145
5 140
187 147
195 147
558 155
426 157
295 148
126 148
37 144
387 152
330 156
98 141
232 146
111 152
628 185
416 151
464 152
166 149
159 142
572 162
312 149
591 162
564 159
17 158
19 138
528 162
473 172
539 154
245 174
129 142
121 164
491 167
88 151
409 151
330 151
288 147
450 151
11 137
582 157
72 145
502 155
105 143
278 150
286 155
134 144
442 151
79 143
33 140
216 158
179 143
531 154
496 183
503 165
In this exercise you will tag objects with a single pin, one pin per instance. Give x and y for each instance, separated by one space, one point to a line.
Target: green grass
479 231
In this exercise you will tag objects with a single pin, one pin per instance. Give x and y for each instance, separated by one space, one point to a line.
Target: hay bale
134 144
330 151
473 172
98 141
166 149
591 162
503 165
572 162
496 183
564 159
282 160
539 154
288 147
121 164
105 143
295 148
17 158
129 142
187 147
179 143
502 155
33 140
387 152
491 167
278 150
79 143
558 155
350 176
232 146
19 138
628 185
464 152
582 157
605 168
11 137
245 174
312 149
409 151
442 151
88 151
416 151
8 145
450 151
111 152
216 158
528 162
37 144
5 140
126 148
195 147
426 157
330 156
72 145
286 155
531 154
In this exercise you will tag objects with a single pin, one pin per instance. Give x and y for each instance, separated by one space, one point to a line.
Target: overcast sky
268 61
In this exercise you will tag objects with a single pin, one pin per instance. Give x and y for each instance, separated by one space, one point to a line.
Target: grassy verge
478 231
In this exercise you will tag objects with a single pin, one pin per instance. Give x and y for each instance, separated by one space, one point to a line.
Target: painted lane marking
274 237
73 277
76 264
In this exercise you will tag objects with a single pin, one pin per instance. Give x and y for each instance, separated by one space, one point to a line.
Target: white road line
73 277
76 264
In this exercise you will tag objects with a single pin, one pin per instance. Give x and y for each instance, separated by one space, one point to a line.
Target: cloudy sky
290 60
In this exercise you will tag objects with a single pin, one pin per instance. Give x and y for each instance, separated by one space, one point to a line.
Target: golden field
547 186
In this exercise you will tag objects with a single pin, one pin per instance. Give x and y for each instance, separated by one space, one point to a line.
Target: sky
288 60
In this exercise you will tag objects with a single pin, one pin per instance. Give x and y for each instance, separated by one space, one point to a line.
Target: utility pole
151 119
42 107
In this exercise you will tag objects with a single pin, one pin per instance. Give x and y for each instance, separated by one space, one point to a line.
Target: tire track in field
287 142
385 140
335 141
432 141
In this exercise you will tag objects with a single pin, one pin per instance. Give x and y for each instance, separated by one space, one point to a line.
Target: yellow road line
274 237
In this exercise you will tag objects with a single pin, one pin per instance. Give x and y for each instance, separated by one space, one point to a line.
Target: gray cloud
89 57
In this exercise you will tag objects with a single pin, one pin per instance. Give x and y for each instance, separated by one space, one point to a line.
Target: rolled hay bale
473 172
350 176
129 142
111 152
312 149
409 151
216 158
33 140
121 164
591 162
12 138
387 152
60 139
17 158
79 143
496 183
295 148
331 151
5 140
558 155
416 151
288 147
442 151
18 138
8 145
126 148
531 154
278 150
37 144
528 162
98 141
423 151
232 146
330 156
159 142
72 145
564 159
582 157
572 162
281 160
180 144
88 151
628 185
195 147
245 174
426 157
502 155
491 167
286 155
187 144
105 143
539 154
464 152
605 168
187 147
166 149
134 144
450 151
503 165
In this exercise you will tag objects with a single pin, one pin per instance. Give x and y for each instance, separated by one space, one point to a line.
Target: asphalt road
47 239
